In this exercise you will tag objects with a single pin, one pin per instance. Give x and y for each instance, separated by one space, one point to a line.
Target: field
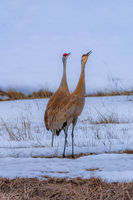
103 151
103 141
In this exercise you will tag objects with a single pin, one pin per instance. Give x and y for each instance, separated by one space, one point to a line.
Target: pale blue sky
35 33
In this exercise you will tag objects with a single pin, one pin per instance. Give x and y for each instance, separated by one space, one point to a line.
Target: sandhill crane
57 97
70 108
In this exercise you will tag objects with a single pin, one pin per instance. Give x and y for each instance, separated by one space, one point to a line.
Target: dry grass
15 95
105 120
40 94
62 189
17 133
67 156
10 133
2 93
76 156
92 169
3 96
112 93
128 151
108 118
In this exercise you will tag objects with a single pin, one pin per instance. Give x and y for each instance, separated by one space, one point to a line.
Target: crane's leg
52 140
65 131
66 139
73 141
73 126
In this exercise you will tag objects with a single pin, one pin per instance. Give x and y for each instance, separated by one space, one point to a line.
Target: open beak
89 53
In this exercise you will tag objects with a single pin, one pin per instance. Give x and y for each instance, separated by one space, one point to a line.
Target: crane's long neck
63 83
80 89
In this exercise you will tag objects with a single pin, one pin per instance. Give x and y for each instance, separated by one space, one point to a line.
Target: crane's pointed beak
89 53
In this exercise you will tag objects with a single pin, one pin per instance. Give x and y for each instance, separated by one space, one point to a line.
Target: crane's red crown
65 54
83 55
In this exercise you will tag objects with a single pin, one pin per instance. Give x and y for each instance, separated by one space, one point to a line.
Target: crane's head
85 57
65 56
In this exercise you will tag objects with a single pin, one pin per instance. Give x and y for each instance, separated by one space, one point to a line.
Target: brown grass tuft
10 133
2 93
62 189
109 118
15 95
128 151
17 133
92 169
40 94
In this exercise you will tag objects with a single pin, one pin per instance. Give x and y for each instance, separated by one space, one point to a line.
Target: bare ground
62 189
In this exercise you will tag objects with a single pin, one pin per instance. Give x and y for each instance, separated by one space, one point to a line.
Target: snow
25 144
4 97
109 167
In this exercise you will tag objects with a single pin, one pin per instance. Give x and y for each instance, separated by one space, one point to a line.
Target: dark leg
52 140
73 125
66 138
65 131
72 141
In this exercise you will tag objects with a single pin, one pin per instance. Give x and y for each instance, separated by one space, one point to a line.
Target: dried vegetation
17 133
15 95
107 118
52 188
112 93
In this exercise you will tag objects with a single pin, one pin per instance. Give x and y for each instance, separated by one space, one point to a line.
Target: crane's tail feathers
59 130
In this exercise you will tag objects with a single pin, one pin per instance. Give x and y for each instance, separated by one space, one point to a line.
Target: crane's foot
52 144
73 156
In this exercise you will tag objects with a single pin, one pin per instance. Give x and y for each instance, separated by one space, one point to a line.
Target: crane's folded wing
63 114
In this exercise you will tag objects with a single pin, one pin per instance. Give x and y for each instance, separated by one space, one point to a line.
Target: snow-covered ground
25 145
